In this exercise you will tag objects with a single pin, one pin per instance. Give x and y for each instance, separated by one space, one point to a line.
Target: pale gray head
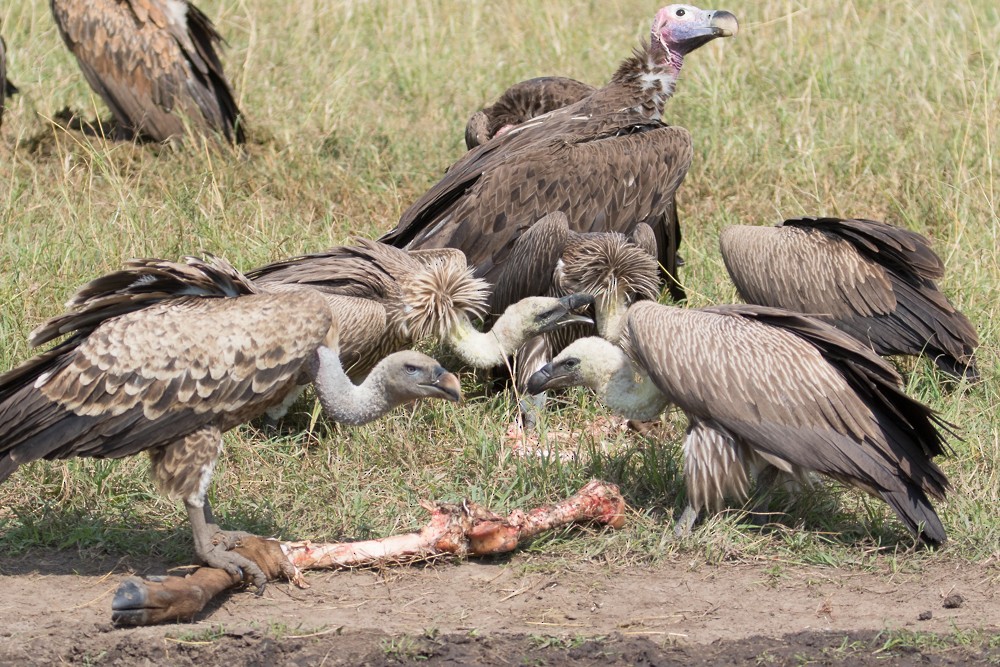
409 375
540 314
586 362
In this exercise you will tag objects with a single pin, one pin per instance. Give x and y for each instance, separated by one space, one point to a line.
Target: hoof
130 605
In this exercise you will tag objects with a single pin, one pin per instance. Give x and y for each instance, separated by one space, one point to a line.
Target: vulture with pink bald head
607 161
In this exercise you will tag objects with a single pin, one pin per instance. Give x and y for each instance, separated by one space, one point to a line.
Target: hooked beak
448 385
538 382
724 23
574 303
716 24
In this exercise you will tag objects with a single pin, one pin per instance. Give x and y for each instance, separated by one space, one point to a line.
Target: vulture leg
184 470
715 467
214 546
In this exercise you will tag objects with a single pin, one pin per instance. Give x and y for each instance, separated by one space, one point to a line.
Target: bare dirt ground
526 610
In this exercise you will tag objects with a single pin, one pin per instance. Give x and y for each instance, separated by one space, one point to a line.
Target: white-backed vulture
154 63
872 280
608 162
549 258
405 297
767 387
165 357
6 87
522 102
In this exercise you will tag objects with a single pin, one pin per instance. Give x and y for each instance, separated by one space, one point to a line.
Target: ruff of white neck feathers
610 373
481 349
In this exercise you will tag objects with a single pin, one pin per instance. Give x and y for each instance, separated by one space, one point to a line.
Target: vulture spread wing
152 376
153 62
490 198
872 280
522 102
799 391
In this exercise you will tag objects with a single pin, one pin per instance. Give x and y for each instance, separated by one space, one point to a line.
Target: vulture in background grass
154 63
534 97
400 298
765 388
165 357
522 102
608 162
871 280
6 87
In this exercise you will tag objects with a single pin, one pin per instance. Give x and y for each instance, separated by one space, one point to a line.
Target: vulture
617 270
872 280
165 357
607 161
402 297
770 389
522 102
154 63
6 87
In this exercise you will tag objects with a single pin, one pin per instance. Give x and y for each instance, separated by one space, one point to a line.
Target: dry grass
872 109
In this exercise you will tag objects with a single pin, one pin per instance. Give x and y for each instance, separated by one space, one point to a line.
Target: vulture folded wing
603 185
532 262
153 62
872 280
798 390
150 377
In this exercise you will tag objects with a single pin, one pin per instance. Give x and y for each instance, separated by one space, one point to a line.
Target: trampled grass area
887 110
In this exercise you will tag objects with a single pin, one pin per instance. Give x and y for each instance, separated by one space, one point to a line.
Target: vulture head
586 362
680 29
540 314
616 271
409 375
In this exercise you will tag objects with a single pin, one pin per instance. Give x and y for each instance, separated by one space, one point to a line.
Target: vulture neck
611 310
342 400
649 78
620 385
486 349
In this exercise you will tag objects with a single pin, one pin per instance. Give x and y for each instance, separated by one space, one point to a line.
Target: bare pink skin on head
679 29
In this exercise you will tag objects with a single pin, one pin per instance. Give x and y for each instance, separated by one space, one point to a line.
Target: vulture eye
547 314
411 369
680 12
571 363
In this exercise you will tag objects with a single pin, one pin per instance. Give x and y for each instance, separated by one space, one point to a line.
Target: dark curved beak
539 380
574 304
448 384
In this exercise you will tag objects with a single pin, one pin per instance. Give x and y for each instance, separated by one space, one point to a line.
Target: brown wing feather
6 87
148 378
801 391
153 62
602 185
521 102
531 263
870 279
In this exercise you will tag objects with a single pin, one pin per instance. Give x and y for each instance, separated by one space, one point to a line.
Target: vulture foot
220 554
684 524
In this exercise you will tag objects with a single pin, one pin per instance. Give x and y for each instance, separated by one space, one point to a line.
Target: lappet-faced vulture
872 280
608 162
528 99
165 357
764 387
154 63
403 297
6 87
